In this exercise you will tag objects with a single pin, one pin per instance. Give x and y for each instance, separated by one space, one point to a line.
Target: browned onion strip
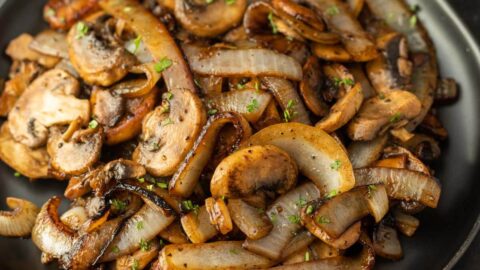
49 234
184 180
299 242
90 246
365 260
425 72
355 39
343 110
219 215
242 62
210 20
138 87
129 238
157 39
284 222
211 256
336 215
174 234
238 101
197 226
252 221
288 98
362 154
402 184
406 224
386 243
360 76
20 221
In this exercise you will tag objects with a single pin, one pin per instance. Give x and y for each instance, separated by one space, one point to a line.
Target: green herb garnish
17 174
118 205
168 95
115 249
135 264
332 194
272 23
323 220
233 251
309 210
50 12
188 205
253 105
301 202
93 124
413 21
336 165
345 82
139 225
307 256
82 30
294 219
333 10
230 2
212 111
289 113
144 245
167 122
162 65
162 185
141 179
395 118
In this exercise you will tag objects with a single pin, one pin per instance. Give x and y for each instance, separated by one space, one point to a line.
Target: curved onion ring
18 222
138 87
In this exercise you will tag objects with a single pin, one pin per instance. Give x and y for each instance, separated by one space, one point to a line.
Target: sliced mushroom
252 221
26 72
300 13
343 110
97 57
20 221
319 157
334 53
77 154
188 173
107 108
381 112
19 49
254 168
49 100
33 163
49 234
336 215
310 87
61 14
168 136
210 20
391 70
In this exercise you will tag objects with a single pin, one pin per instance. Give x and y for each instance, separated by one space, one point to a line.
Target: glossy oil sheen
444 232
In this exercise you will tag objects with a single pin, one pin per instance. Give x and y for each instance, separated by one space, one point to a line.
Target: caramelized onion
252 221
18 222
138 87
219 215
242 62
386 243
402 184
362 154
197 226
187 175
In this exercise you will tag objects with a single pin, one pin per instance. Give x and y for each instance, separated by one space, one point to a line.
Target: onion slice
49 234
138 87
219 215
402 184
130 236
242 62
336 215
386 242
140 259
184 180
18 222
210 256
252 221
406 224
285 216
197 226
364 153
287 96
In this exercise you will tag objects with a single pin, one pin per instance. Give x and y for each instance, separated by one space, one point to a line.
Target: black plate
445 233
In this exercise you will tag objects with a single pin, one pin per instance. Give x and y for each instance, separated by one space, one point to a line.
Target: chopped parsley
82 30
133 47
345 82
272 23
233 251
253 105
135 264
150 187
141 179
188 205
336 165
17 174
230 2
240 85
294 219
127 9
332 194
260 210
162 65
323 220
301 202
307 256
371 188
115 249
395 118
288 113
273 218
413 21
50 12
167 122
139 225
162 185
93 124
118 205
309 210
168 95
144 245
209 1
212 111
333 10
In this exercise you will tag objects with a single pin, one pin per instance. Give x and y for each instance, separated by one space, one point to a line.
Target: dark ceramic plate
445 233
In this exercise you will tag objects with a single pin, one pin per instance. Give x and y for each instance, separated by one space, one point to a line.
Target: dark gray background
469 11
